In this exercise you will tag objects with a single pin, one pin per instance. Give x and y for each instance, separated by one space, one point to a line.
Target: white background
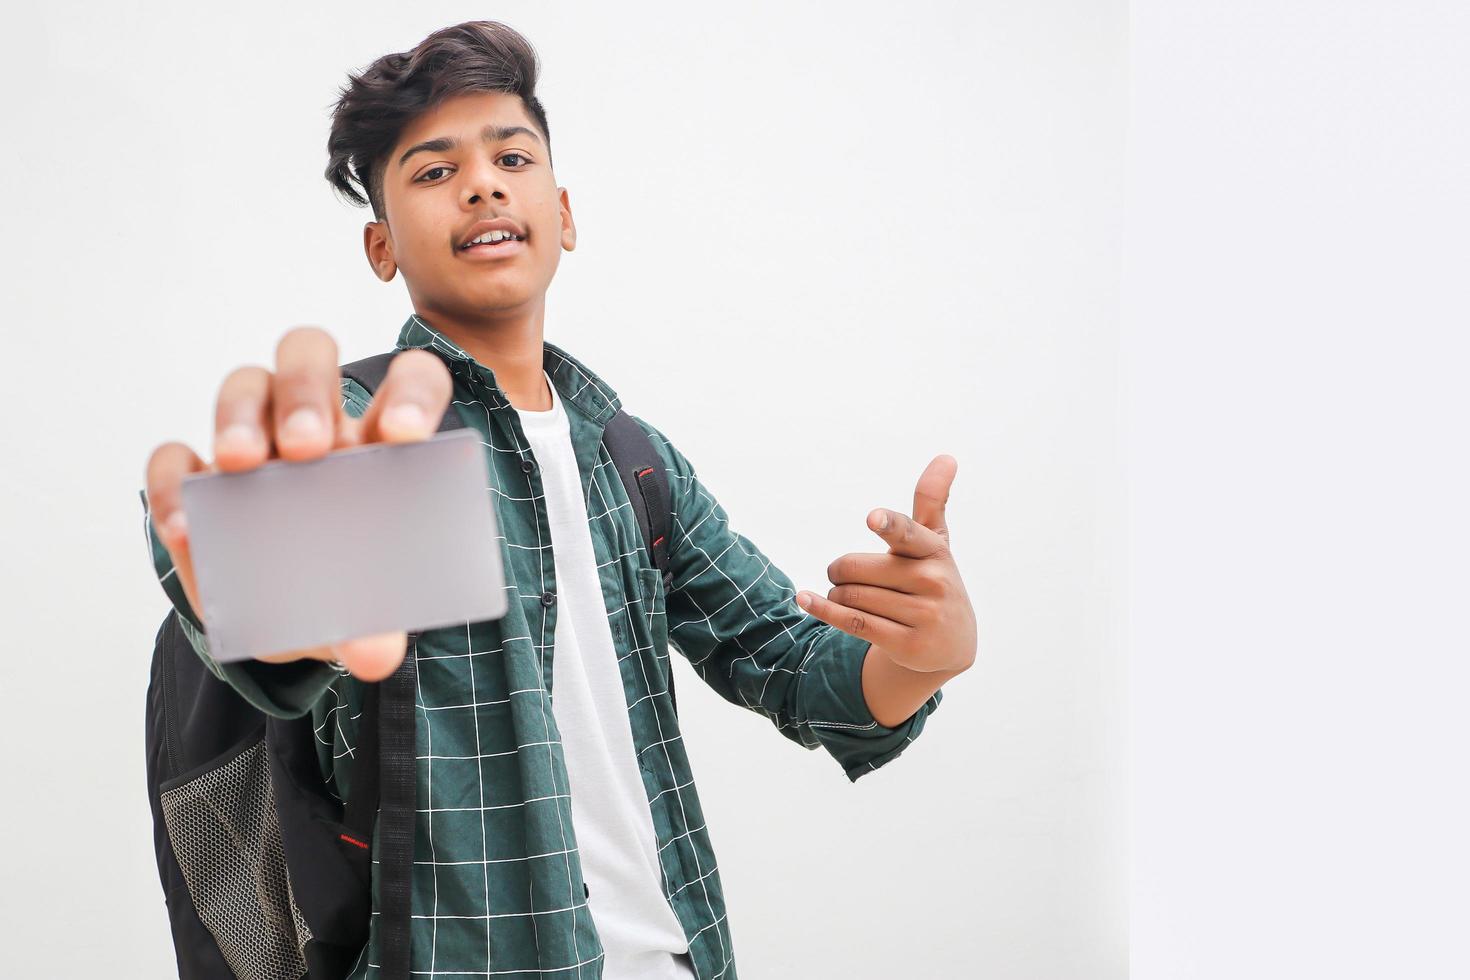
901 232
1295 357
896 233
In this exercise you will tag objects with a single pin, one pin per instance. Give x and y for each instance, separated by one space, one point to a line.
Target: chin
491 300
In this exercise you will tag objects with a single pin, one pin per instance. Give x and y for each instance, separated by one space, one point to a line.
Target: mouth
493 250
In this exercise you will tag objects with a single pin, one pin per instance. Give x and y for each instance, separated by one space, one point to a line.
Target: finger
868 626
368 658
373 658
305 389
905 536
242 430
888 571
901 607
932 494
311 653
349 429
412 400
167 467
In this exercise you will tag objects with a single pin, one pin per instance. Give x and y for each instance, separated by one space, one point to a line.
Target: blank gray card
365 540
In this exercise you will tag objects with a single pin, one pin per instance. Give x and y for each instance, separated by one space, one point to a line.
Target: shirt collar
574 381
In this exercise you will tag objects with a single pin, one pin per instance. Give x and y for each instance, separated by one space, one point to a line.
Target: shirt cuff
287 690
840 716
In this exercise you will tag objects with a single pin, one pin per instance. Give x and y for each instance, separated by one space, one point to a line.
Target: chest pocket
654 615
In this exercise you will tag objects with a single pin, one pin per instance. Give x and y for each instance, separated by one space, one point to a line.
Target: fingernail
238 436
304 423
803 600
406 417
176 524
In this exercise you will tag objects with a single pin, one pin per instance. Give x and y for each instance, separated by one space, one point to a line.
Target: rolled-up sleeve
733 614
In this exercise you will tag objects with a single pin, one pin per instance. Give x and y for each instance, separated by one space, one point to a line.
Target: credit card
371 539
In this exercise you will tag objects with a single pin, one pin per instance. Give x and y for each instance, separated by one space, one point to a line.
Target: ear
568 226
377 242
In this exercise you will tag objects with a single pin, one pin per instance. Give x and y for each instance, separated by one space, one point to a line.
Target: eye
525 160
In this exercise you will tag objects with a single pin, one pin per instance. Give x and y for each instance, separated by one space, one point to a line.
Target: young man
558 832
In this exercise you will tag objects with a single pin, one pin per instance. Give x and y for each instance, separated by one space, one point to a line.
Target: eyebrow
492 133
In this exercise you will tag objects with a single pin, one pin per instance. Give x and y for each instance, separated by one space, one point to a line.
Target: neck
508 342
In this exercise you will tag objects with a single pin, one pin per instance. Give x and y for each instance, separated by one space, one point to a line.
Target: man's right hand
296 414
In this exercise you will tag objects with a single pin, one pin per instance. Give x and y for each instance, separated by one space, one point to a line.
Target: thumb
372 658
932 493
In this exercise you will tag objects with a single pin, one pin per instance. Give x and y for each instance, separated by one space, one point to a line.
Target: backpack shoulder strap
399 790
387 738
647 482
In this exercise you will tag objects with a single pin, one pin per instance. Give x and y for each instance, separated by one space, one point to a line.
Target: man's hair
377 104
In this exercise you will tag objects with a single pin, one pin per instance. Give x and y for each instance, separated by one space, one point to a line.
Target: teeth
490 237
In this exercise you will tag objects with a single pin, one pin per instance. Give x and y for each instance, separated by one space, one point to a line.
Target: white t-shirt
641 936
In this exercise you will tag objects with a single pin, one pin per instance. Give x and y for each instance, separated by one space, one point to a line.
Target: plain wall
1295 360
898 229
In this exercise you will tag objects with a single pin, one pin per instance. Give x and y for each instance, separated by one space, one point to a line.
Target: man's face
434 198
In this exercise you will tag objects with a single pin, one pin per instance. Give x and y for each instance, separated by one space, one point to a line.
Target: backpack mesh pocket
225 834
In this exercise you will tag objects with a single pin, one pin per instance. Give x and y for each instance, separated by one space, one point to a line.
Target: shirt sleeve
287 690
734 615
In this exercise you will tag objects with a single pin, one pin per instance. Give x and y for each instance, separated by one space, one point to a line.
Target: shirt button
527 466
548 597
586 892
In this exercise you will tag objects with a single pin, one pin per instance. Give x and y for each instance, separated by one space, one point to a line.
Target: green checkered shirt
497 883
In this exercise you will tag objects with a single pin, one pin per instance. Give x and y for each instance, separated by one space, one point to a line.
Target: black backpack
267 876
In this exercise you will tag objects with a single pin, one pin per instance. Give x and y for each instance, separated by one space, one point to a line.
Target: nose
482 178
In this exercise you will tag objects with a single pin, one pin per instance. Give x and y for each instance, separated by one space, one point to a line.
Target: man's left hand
909 603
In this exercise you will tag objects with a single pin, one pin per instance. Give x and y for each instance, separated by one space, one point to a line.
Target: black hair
379 102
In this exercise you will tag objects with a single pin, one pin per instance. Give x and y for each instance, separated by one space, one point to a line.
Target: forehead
462 116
